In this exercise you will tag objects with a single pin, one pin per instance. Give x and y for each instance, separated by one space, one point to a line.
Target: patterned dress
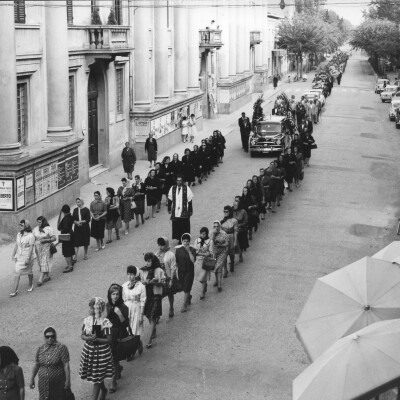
24 242
44 257
125 194
207 249
230 226
96 359
51 360
221 243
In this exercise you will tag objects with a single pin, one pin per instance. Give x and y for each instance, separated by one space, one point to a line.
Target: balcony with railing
98 39
28 42
255 37
210 39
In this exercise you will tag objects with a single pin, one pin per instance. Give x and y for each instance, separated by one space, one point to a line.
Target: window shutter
15 11
21 11
70 12
118 11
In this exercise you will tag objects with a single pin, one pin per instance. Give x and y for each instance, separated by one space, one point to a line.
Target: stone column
240 21
57 70
259 18
181 67
143 56
193 55
247 27
232 41
161 39
9 145
223 22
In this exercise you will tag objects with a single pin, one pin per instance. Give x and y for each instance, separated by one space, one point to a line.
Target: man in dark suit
309 125
245 128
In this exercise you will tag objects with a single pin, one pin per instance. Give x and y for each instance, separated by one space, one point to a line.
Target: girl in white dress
192 128
184 129
134 296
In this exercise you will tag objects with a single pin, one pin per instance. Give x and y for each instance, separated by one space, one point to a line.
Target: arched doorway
93 124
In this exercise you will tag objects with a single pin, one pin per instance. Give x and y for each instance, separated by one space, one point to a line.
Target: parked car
311 95
393 108
397 118
388 92
269 136
380 84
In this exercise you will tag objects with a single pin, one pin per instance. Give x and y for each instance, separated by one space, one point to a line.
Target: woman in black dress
176 166
81 218
98 212
281 182
205 156
150 147
152 187
161 177
185 255
197 163
128 159
169 175
295 142
113 218
221 145
118 315
250 205
64 225
139 197
257 192
299 171
188 168
289 163
308 141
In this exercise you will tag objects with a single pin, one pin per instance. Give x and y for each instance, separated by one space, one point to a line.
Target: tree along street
240 343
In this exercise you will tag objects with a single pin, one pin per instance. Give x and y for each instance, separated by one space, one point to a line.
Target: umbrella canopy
358 366
389 253
347 300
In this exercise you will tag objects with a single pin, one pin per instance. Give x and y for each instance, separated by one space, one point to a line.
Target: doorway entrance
93 124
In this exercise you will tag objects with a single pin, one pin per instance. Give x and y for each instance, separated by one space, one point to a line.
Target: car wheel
383 101
397 126
252 154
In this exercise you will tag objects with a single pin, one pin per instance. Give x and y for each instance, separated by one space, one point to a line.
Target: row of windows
20 17
22 103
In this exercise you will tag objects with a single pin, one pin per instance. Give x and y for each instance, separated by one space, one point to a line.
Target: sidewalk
226 123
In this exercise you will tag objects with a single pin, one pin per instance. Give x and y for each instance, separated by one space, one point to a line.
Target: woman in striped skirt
96 359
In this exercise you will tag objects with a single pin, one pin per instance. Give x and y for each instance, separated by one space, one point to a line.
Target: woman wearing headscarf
152 186
289 163
98 212
257 192
204 248
214 150
230 226
250 205
44 236
23 255
168 264
176 166
307 142
197 163
205 156
240 214
64 225
134 296
162 178
185 255
52 365
150 147
221 145
118 314
139 197
81 218
12 384
96 359
281 181
220 246
128 159
125 194
153 277
188 168
169 175
113 219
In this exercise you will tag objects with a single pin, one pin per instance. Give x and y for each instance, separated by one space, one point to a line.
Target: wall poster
6 194
20 192
46 181
29 189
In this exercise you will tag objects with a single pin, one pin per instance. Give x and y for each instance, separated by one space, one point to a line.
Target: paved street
240 343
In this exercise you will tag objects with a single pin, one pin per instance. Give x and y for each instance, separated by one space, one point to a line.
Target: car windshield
390 89
382 81
267 129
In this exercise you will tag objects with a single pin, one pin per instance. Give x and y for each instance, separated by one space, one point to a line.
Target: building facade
80 78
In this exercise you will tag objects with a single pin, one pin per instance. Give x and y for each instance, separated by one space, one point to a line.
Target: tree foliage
378 37
384 9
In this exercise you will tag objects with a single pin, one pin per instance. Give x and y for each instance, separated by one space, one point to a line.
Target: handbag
176 286
126 347
68 395
64 237
209 263
53 248
314 146
133 205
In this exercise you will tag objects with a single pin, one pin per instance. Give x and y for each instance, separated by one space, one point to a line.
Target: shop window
119 74
19 11
22 112
118 11
70 12
71 101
